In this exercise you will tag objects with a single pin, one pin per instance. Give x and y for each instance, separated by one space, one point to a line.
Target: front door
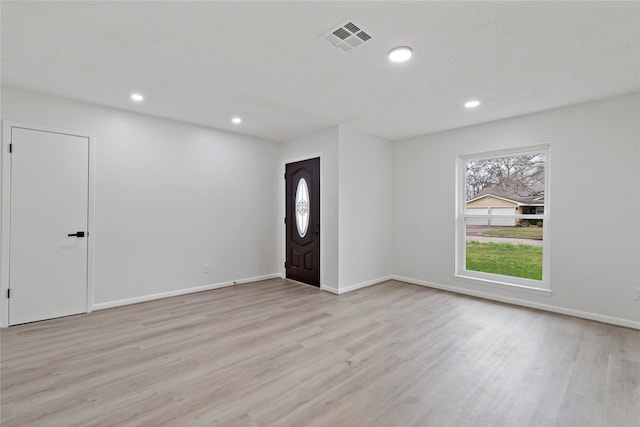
49 208
303 221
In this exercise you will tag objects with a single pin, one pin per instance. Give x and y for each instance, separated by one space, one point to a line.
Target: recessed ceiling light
472 104
137 97
400 54
236 120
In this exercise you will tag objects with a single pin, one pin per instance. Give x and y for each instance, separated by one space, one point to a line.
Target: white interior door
49 201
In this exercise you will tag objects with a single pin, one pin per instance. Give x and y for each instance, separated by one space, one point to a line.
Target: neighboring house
497 204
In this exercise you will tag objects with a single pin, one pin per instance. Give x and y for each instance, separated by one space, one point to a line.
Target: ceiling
203 62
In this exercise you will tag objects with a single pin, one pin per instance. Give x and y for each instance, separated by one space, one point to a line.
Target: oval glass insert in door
302 207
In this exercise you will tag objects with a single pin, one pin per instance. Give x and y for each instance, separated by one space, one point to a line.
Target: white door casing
49 273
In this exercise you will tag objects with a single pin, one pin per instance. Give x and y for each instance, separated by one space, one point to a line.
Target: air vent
364 36
351 27
347 36
341 33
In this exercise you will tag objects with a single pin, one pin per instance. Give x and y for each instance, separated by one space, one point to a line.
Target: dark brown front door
303 221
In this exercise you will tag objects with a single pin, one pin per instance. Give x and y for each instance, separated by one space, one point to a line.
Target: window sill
496 284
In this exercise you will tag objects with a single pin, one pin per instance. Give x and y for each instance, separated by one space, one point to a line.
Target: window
302 207
503 218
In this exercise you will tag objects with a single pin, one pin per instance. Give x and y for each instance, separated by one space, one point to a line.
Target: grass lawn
521 232
506 259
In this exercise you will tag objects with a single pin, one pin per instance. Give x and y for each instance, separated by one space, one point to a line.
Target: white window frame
498 280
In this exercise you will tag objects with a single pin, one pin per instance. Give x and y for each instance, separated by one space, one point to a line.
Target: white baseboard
364 284
143 298
329 289
339 291
530 304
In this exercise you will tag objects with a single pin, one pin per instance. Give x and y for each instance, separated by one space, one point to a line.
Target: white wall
325 145
365 209
169 197
594 250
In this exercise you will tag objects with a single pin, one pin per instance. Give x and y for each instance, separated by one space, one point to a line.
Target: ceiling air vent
347 36
341 33
351 27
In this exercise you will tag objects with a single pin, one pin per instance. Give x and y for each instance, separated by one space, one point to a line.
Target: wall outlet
205 268
636 295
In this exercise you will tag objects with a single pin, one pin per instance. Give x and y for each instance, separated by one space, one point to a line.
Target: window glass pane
302 207
513 181
507 250
497 190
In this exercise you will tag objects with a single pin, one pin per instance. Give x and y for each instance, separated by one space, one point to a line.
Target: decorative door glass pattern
302 207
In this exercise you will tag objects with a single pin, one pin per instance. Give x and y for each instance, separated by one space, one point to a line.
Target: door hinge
8 293
10 148
285 219
285 264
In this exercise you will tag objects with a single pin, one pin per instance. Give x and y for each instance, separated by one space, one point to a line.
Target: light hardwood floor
276 353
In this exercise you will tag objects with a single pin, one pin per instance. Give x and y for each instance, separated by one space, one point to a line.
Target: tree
522 175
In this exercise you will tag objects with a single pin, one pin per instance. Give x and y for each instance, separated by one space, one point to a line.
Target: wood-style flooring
277 353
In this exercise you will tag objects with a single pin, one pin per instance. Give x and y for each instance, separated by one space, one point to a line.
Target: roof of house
511 195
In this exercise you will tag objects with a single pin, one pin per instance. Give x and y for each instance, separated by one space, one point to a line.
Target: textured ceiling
203 62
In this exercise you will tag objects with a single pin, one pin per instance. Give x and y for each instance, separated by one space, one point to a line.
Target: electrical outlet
205 268
636 295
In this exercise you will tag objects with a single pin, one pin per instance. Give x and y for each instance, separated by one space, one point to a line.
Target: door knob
78 234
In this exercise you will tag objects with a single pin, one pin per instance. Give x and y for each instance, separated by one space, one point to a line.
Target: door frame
5 211
282 212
